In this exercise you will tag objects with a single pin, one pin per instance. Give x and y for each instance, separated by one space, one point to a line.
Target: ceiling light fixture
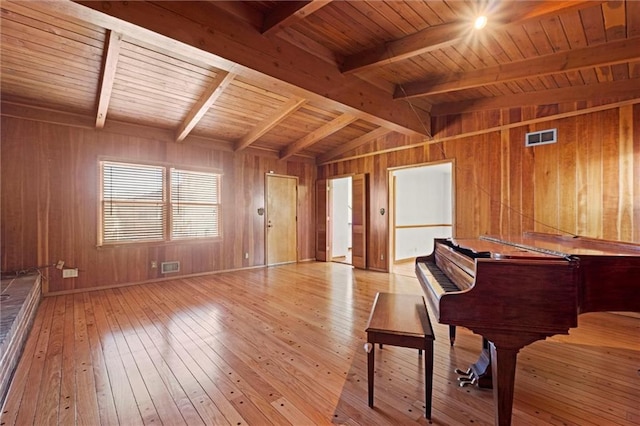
481 22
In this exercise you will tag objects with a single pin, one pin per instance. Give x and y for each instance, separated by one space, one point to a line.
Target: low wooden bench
401 320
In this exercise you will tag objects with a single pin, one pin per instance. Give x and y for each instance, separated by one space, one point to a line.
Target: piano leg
452 334
503 363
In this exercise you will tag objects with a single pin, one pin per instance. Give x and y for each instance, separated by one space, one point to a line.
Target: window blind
132 202
194 204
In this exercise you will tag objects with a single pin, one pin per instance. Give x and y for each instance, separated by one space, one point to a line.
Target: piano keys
432 269
515 291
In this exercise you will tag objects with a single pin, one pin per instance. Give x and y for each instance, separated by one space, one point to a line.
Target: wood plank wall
588 183
50 205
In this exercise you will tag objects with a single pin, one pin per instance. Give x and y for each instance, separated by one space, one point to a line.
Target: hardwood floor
284 345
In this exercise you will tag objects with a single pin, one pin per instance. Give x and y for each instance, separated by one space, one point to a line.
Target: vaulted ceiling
308 79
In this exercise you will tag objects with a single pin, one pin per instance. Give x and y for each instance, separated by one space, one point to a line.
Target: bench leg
428 378
370 371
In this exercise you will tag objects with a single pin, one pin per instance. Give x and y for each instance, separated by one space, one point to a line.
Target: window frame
167 204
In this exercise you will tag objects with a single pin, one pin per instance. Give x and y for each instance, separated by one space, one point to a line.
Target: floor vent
169 267
541 138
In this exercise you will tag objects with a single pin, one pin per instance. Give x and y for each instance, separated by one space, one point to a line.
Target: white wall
340 216
422 197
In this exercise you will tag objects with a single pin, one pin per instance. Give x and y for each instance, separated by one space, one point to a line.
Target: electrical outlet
382 257
154 264
246 255
70 273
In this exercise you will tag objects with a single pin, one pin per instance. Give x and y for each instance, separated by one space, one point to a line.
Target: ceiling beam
289 13
289 107
109 66
331 127
621 89
440 36
243 11
353 144
606 54
200 30
221 81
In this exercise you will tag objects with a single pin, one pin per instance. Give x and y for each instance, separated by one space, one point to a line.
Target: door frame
324 253
330 209
391 185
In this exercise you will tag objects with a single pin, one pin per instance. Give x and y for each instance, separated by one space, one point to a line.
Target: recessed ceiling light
481 22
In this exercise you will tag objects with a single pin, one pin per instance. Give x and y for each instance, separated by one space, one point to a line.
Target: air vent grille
169 267
541 138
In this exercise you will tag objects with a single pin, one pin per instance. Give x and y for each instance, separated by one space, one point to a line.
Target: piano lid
567 245
496 248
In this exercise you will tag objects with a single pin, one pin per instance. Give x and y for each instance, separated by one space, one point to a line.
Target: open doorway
341 246
422 209
351 210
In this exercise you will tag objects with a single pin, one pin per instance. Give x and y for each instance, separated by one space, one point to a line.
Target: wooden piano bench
401 320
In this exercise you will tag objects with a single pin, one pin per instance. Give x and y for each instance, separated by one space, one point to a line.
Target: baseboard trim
155 280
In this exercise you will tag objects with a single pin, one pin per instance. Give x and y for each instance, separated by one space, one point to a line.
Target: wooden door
323 230
359 221
281 220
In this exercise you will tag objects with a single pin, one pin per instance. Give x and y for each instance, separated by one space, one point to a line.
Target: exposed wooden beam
333 126
198 29
415 44
594 92
289 13
309 45
355 143
291 106
438 37
243 11
221 81
616 52
109 66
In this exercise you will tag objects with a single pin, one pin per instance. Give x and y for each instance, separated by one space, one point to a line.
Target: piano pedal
467 381
467 378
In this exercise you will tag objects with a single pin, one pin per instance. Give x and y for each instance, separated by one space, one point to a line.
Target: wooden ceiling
309 79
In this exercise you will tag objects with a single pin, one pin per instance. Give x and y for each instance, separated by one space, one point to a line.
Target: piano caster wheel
459 372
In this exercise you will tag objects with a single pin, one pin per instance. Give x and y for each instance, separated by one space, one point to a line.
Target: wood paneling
585 184
306 208
50 205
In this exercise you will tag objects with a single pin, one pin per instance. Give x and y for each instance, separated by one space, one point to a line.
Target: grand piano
514 291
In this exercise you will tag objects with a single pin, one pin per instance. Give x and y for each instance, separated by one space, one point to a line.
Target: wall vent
541 138
169 267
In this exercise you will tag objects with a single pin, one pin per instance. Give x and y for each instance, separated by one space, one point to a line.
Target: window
142 203
194 204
